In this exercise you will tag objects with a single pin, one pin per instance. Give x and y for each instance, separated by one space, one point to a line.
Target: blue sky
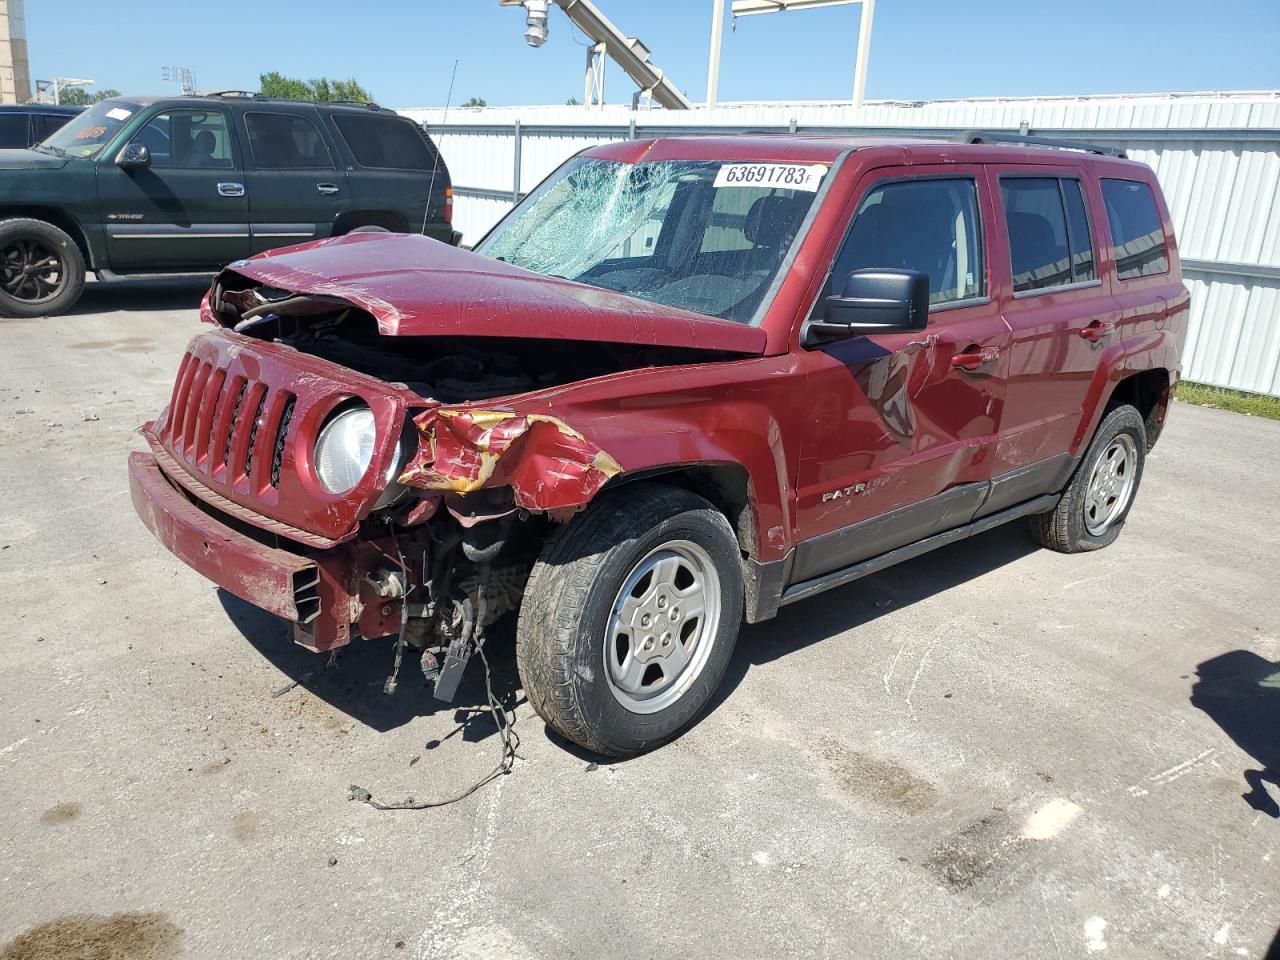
403 52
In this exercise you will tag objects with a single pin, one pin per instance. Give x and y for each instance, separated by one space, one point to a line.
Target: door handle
1097 330
231 189
973 357
327 189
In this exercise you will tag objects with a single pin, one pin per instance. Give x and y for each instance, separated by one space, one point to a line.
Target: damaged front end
366 483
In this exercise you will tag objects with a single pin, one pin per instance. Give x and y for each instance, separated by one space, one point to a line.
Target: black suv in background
147 185
24 124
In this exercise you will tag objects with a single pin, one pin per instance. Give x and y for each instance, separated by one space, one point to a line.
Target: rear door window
44 124
13 131
1050 244
285 141
384 142
1084 262
931 226
1136 231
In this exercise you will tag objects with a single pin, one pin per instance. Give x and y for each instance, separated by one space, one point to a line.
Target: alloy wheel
662 626
1111 484
31 271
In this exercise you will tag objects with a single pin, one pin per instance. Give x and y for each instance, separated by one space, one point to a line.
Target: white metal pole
864 52
713 58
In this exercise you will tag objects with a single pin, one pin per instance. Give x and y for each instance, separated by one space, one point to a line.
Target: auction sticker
786 176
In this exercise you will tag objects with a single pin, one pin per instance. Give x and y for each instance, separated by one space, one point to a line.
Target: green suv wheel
41 269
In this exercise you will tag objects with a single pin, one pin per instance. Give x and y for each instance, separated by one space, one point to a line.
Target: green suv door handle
328 189
231 189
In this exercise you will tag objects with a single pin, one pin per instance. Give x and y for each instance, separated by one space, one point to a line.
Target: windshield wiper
46 148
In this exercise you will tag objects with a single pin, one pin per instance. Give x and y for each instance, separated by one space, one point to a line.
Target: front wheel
630 617
1096 503
41 269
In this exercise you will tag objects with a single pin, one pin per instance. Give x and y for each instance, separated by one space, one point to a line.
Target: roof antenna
436 163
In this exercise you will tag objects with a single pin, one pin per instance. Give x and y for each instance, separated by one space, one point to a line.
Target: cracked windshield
704 237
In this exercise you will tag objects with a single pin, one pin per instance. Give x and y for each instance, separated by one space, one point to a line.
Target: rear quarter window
384 142
1137 235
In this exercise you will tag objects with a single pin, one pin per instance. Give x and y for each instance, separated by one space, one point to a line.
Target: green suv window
383 142
284 141
87 134
195 139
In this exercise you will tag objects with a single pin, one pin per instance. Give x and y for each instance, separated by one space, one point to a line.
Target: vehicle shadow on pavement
354 684
865 600
1240 691
143 296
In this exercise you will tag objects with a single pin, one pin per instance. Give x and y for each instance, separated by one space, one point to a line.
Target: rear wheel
369 228
41 269
1096 503
630 617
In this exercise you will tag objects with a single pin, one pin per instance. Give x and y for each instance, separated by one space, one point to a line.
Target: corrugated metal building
1217 156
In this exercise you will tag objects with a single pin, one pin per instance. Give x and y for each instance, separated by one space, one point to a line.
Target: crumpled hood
415 286
30 160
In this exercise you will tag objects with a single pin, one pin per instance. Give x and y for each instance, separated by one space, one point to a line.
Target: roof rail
251 95
369 104
1019 139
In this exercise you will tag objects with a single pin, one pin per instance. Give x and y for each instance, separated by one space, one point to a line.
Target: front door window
187 139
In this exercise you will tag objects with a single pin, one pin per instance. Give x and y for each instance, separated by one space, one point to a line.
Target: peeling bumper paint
547 464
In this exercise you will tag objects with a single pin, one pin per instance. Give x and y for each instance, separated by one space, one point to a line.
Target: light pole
713 59
61 83
747 8
180 75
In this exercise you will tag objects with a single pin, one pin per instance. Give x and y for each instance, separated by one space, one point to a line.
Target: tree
80 97
275 84
476 102
572 102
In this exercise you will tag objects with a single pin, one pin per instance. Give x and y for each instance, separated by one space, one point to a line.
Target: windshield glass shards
707 237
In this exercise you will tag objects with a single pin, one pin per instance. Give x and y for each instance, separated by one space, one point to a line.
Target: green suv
149 186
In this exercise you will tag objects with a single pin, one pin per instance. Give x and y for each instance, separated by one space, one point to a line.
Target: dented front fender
548 464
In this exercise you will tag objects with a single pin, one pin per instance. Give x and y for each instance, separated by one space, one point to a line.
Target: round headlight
345 449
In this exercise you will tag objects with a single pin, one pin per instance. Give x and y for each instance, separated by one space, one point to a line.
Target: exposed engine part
444 368
435 615
450 675
387 582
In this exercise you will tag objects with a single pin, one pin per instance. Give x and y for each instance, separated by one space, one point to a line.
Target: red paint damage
547 464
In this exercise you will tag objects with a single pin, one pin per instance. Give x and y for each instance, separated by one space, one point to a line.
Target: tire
369 228
1097 501
25 289
635 556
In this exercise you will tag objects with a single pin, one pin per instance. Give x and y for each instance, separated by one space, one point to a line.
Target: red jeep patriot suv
684 383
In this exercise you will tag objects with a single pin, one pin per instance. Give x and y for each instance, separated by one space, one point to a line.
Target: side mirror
132 156
874 301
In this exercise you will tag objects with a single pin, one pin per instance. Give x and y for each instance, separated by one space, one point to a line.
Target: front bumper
319 591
